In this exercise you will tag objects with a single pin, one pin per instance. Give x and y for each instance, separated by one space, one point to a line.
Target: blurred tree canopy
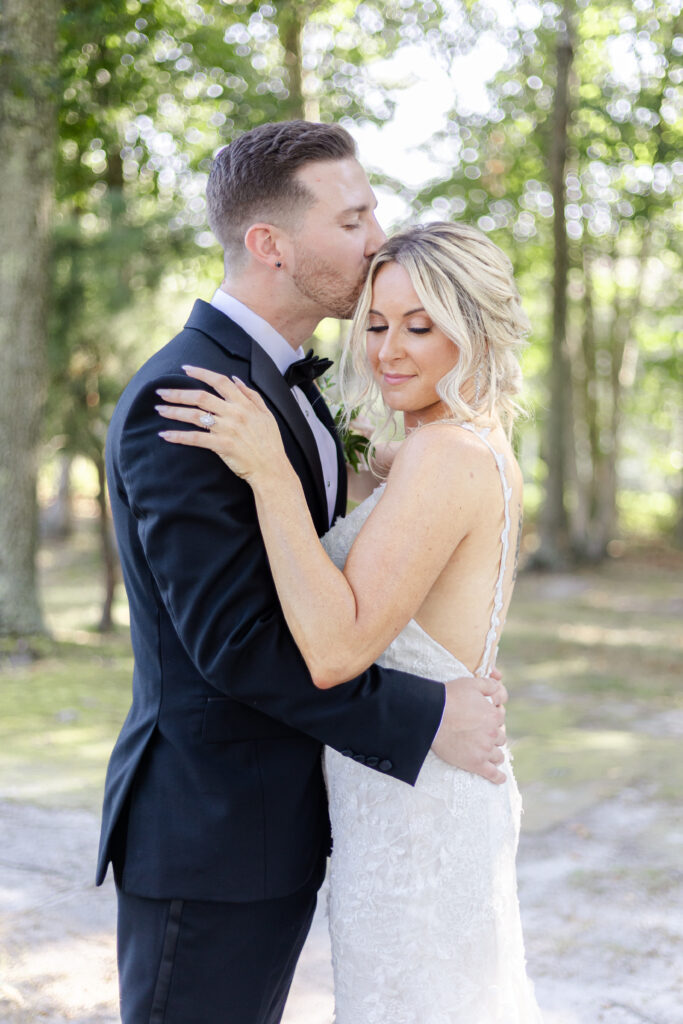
149 91
575 170
579 161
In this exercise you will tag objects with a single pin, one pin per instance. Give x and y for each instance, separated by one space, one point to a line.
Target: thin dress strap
487 660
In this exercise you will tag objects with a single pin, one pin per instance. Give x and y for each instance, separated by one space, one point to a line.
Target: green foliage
354 443
151 88
624 194
355 448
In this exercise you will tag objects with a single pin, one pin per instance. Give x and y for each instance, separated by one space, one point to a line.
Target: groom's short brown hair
253 178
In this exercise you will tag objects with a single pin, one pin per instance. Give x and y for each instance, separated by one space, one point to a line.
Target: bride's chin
395 405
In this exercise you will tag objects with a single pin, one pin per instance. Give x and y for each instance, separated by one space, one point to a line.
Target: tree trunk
28 91
291 18
593 528
553 531
58 516
110 559
586 425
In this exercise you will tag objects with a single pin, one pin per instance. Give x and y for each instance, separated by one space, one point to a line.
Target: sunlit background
555 128
453 106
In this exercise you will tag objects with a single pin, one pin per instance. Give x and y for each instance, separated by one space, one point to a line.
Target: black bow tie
306 369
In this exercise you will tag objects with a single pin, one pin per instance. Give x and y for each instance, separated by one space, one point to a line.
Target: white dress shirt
283 355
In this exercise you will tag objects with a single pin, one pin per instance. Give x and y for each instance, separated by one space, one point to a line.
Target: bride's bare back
431 548
457 609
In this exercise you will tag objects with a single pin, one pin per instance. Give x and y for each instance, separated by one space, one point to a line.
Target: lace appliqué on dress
424 917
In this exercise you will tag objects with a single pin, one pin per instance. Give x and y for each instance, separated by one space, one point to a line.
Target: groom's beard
322 282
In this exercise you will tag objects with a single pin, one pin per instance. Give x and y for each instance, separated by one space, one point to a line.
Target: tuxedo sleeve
197 524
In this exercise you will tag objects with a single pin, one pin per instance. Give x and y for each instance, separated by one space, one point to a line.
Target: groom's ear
262 241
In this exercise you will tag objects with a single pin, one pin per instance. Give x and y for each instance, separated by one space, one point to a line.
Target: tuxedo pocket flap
227 721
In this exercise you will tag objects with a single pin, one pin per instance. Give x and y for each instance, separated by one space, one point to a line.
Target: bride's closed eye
380 328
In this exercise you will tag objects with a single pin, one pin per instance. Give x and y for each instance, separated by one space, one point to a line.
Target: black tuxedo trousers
214 792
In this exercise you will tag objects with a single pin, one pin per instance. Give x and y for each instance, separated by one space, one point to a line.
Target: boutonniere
354 442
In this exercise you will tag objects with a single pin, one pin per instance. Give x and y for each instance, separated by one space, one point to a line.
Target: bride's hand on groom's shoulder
472 730
235 423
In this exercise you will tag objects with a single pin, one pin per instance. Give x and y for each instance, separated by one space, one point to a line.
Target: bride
424 917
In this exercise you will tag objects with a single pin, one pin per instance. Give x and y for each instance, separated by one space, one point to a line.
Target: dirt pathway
601 895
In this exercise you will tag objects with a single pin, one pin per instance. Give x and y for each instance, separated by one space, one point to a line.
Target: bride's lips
396 378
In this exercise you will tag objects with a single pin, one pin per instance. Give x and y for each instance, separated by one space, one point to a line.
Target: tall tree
27 137
585 202
553 526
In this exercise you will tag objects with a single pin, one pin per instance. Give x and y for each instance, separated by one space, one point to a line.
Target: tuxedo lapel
220 328
317 400
266 377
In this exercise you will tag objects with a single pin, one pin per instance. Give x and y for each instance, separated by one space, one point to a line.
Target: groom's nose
375 238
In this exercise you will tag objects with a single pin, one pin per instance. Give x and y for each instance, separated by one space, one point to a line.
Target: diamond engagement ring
207 419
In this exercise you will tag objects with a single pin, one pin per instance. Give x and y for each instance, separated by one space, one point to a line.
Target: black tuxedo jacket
214 789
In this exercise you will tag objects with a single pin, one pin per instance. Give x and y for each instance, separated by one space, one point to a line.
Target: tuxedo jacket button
360 758
385 766
346 753
372 762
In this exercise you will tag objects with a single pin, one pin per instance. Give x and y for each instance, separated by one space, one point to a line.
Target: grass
591 660
59 715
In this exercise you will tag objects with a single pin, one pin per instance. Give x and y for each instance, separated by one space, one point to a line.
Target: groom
215 816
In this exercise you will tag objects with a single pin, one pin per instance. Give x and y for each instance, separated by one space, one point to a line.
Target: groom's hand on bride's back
472 730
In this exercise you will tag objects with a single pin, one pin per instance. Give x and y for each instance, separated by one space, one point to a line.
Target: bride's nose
391 345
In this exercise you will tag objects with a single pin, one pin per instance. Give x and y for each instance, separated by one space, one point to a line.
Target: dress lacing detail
486 661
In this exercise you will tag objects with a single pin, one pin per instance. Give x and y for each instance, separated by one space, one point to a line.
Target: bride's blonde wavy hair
466 286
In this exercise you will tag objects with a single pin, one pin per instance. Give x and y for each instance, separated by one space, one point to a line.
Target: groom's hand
472 730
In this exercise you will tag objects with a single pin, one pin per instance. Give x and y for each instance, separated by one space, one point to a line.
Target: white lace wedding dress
424 917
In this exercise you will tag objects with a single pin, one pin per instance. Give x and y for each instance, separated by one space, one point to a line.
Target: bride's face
408 353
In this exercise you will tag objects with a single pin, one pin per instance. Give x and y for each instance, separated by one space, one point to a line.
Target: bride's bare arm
342 621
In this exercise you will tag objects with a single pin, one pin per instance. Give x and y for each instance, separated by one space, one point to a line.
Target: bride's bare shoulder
443 463
444 444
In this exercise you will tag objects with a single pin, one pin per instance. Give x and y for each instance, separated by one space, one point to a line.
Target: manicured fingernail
163 391
237 380
164 434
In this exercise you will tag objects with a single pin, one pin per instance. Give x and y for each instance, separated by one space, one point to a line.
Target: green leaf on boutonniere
354 443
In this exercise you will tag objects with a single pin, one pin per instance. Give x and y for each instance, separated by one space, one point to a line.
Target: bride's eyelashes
381 328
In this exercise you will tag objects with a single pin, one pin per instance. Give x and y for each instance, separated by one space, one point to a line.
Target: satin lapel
268 379
325 416
343 485
220 328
